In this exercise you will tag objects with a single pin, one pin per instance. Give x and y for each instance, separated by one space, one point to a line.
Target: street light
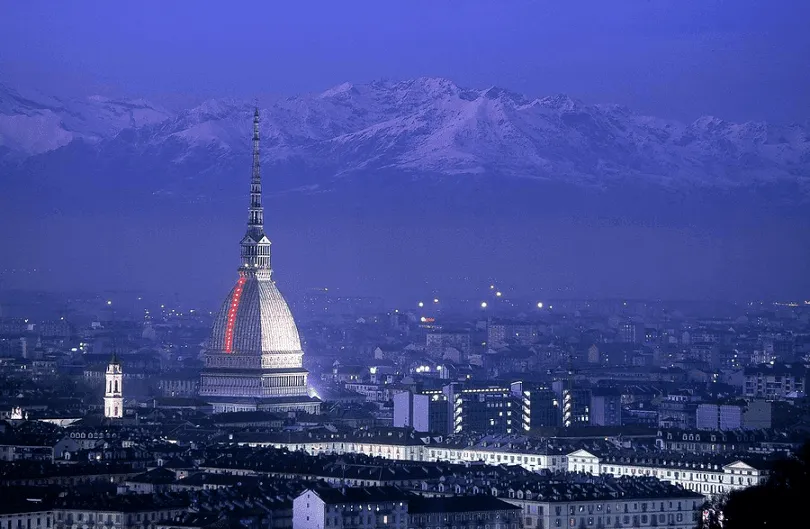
498 293
539 304
483 304
421 304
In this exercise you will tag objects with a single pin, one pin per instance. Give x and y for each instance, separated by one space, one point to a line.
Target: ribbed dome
260 320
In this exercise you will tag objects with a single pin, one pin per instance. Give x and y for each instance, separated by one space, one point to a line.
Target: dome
261 321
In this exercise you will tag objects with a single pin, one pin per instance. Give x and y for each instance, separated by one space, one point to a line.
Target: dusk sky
666 227
737 59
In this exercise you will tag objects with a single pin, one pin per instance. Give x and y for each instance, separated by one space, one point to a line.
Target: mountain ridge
427 125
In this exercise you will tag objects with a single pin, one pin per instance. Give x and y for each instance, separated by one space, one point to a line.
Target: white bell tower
114 391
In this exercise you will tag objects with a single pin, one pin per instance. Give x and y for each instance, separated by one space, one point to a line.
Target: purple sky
738 59
735 59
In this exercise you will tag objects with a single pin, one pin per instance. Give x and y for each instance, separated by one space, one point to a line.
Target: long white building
708 478
707 475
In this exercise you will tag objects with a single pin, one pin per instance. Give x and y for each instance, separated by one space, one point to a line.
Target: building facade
708 477
774 382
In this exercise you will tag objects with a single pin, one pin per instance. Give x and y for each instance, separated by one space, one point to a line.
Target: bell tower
114 391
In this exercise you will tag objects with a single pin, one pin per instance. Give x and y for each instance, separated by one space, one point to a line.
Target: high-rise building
631 332
425 412
575 403
741 415
114 390
774 382
254 360
483 409
540 406
500 334
437 342
459 408
606 407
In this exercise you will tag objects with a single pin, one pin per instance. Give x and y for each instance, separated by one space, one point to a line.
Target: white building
358 508
113 390
31 514
708 478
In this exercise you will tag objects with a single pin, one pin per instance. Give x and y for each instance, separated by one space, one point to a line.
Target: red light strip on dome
237 293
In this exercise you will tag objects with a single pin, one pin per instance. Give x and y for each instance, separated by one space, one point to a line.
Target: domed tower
254 357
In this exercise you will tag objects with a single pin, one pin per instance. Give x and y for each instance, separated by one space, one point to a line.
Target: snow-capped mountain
427 125
33 124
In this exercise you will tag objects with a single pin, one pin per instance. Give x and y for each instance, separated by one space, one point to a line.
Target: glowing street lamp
483 304
498 293
421 304
109 302
539 304
435 300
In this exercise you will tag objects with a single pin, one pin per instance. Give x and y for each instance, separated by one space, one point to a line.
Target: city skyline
404 265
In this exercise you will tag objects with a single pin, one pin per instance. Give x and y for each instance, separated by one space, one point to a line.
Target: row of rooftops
732 436
678 460
553 488
17 470
563 487
261 495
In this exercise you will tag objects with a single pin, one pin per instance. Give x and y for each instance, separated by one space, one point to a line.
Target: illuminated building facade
493 409
540 406
490 410
113 390
254 359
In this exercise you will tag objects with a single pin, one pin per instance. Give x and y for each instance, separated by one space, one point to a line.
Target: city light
492 287
435 300
421 304
423 319
483 304
539 304
498 293
109 302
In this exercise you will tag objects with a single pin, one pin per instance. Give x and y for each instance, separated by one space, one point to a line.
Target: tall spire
256 219
255 244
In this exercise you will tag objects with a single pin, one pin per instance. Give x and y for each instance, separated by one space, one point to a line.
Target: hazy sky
738 59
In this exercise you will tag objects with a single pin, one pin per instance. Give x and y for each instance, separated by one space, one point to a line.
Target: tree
778 503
